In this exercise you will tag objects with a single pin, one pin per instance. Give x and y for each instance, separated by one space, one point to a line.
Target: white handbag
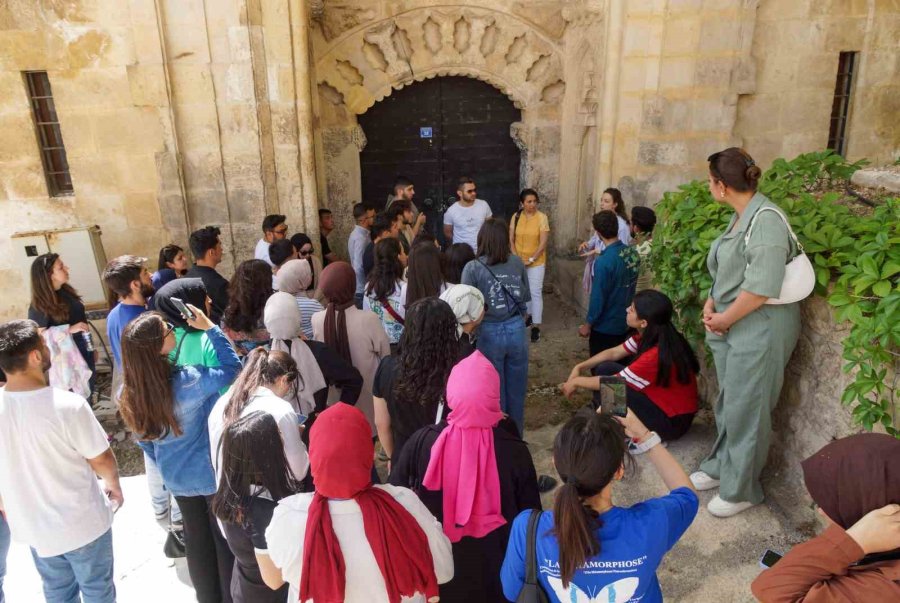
799 275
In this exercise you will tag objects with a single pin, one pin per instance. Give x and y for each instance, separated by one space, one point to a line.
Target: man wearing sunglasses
463 219
274 229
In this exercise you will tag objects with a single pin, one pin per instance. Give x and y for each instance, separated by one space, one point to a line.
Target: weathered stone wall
795 48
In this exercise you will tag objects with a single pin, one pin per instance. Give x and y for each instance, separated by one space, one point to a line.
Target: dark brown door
435 131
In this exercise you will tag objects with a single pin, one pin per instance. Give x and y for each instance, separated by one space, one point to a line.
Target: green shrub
856 258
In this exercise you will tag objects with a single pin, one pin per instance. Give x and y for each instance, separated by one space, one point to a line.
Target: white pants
536 284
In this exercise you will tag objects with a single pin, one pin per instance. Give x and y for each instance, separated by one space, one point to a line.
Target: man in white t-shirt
274 229
51 451
463 219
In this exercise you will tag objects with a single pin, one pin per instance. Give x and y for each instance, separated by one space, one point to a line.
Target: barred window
46 123
840 109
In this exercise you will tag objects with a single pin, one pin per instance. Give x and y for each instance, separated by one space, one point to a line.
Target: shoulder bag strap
506 292
531 547
783 219
390 310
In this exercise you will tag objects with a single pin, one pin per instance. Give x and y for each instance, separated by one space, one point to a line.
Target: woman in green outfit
751 340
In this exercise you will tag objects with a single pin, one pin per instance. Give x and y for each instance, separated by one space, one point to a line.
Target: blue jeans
159 494
88 570
4 548
506 346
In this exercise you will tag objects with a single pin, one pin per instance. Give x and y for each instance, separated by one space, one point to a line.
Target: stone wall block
141 210
719 34
845 34
682 36
148 85
677 72
714 72
18 136
101 88
22 180
662 153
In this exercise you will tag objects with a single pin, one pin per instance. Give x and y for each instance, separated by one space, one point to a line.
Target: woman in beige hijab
295 277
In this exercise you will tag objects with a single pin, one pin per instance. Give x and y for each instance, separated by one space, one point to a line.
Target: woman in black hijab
855 482
192 346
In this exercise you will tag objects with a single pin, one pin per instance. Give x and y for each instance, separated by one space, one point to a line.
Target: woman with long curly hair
409 387
425 276
57 307
383 294
248 291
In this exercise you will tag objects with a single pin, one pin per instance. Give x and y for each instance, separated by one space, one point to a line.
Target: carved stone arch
364 65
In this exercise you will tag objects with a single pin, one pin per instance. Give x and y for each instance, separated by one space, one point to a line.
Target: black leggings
651 415
247 585
210 561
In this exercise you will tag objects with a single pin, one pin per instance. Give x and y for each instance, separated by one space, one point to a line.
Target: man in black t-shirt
207 249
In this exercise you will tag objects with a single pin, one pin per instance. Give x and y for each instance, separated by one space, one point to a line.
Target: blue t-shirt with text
633 542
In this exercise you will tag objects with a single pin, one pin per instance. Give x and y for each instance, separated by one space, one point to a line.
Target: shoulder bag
517 308
799 276
531 591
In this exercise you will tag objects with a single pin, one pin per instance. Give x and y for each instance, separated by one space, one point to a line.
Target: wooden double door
435 131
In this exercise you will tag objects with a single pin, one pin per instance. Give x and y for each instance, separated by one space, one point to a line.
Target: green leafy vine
856 258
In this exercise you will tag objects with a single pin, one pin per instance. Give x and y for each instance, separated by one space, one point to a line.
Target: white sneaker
703 481
723 508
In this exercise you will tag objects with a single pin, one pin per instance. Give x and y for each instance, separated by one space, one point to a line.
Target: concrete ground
715 560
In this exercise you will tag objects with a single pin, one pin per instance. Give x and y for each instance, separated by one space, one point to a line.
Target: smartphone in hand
769 559
182 308
613 395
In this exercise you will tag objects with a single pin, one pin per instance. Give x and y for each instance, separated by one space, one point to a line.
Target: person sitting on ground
59 312
384 291
425 275
171 264
610 200
263 386
467 304
643 221
586 531
167 407
356 335
306 252
280 252
255 475
855 482
52 450
662 377
383 227
458 255
326 226
475 475
352 541
615 277
192 346
356 246
274 229
206 246
295 278
320 366
409 387
242 321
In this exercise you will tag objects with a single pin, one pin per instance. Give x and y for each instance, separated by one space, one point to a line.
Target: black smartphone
182 308
769 559
612 395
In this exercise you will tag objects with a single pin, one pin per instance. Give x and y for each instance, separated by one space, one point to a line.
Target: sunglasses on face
305 252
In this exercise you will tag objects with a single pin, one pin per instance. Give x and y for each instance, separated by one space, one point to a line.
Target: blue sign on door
425 133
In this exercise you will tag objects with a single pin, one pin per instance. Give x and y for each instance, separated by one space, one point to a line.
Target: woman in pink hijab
475 474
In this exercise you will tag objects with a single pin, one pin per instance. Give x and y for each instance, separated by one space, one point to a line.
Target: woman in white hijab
319 365
467 304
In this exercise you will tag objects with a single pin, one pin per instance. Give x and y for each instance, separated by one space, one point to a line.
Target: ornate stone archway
362 64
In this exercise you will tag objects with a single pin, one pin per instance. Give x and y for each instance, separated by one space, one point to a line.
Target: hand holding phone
769 559
182 308
613 395
199 320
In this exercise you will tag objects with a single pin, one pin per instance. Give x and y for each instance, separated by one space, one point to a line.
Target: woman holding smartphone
662 377
167 406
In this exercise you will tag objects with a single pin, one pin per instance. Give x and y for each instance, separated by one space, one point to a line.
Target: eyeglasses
305 252
169 328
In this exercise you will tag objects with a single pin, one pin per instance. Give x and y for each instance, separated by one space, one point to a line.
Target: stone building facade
180 113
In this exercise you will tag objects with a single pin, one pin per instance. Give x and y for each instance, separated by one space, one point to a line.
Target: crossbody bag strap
390 310
505 290
797 243
531 552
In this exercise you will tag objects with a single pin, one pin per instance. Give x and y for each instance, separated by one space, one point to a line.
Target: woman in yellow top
528 234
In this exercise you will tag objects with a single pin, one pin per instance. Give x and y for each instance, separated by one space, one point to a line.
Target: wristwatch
647 443
531 260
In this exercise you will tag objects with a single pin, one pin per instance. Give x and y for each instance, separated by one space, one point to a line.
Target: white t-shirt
262 252
52 497
467 221
365 584
285 416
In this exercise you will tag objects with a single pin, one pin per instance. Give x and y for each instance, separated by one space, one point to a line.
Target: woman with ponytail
662 377
267 381
351 541
357 335
587 548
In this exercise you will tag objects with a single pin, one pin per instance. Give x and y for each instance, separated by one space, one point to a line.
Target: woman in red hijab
351 541
855 481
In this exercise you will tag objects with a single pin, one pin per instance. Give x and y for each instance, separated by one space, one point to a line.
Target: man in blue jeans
51 451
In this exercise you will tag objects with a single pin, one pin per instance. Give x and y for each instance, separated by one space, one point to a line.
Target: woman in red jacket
855 482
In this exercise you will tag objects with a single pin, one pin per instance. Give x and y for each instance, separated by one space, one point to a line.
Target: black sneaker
535 334
545 483
528 321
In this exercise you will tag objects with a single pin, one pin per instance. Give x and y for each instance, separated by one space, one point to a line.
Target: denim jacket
183 460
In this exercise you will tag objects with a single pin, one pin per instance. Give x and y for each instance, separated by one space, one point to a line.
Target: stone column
308 212
608 110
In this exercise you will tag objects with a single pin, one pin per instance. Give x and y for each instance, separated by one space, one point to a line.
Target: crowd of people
261 404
